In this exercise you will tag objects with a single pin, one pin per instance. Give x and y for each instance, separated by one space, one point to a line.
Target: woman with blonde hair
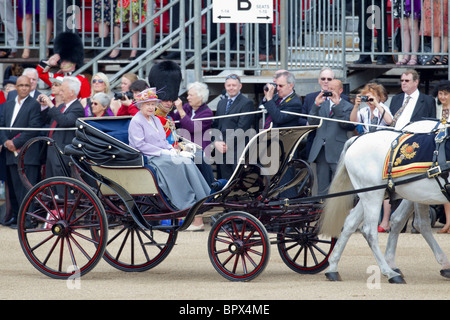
99 84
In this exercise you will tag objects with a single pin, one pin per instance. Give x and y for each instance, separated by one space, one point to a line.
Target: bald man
331 136
22 112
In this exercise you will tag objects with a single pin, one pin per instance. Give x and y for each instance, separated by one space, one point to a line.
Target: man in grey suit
232 132
411 105
22 112
331 135
62 116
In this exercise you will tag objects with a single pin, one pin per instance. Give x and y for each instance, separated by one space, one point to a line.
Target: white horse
361 166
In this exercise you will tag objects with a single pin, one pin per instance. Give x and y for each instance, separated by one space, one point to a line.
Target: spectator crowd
72 97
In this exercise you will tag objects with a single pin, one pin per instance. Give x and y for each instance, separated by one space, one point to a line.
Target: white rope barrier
337 120
36 129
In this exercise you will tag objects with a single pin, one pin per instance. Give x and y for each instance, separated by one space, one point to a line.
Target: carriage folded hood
104 141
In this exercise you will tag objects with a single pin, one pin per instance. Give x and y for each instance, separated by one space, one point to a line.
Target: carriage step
155 244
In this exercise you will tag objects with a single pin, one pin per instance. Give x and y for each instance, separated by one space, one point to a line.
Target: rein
349 192
440 168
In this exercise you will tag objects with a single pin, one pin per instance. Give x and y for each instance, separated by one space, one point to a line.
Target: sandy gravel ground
188 274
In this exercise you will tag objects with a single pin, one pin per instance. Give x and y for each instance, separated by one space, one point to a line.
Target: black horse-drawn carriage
110 207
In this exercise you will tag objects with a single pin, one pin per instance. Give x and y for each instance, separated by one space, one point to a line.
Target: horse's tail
336 209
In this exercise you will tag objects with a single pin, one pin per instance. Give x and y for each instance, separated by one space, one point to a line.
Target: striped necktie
269 118
400 111
229 103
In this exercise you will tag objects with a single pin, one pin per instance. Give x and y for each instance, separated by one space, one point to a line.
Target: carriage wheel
238 246
55 223
132 249
303 250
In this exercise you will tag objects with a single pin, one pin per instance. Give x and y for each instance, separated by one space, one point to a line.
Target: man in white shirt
411 105
21 112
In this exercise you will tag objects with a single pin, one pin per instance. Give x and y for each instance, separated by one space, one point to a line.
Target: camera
365 99
327 94
123 96
266 87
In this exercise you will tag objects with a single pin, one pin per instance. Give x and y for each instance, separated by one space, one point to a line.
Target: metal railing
305 34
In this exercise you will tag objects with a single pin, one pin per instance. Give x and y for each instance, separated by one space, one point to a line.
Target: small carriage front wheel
238 246
55 225
303 250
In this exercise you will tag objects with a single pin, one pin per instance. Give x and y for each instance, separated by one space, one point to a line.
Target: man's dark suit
62 138
292 103
329 140
241 104
424 108
308 102
27 117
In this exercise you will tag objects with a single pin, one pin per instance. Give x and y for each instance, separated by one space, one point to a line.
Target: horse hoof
445 273
399 272
397 280
333 276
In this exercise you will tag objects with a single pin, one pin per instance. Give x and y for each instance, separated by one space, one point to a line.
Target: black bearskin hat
166 78
70 48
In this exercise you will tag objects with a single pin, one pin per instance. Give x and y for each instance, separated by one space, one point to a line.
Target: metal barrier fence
305 34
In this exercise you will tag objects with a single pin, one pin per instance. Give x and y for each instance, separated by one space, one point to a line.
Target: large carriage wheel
238 246
55 225
303 250
132 249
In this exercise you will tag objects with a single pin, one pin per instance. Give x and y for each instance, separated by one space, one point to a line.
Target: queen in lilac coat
178 177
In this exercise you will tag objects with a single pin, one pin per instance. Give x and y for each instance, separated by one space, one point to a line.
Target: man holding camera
280 96
331 135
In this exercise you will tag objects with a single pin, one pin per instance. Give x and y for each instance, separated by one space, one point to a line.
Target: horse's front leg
352 222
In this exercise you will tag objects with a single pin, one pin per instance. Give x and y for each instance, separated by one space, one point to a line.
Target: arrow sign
243 11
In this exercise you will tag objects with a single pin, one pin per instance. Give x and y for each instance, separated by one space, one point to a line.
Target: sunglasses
232 76
98 80
327 79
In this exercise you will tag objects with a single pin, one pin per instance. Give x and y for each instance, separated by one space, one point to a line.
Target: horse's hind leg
398 221
352 222
422 222
370 232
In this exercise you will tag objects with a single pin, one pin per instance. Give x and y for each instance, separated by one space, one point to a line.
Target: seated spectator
177 176
100 105
128 108
56 97
8 86
99 83
196 108
125 83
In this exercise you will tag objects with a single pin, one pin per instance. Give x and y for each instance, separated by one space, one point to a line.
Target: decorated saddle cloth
412 154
